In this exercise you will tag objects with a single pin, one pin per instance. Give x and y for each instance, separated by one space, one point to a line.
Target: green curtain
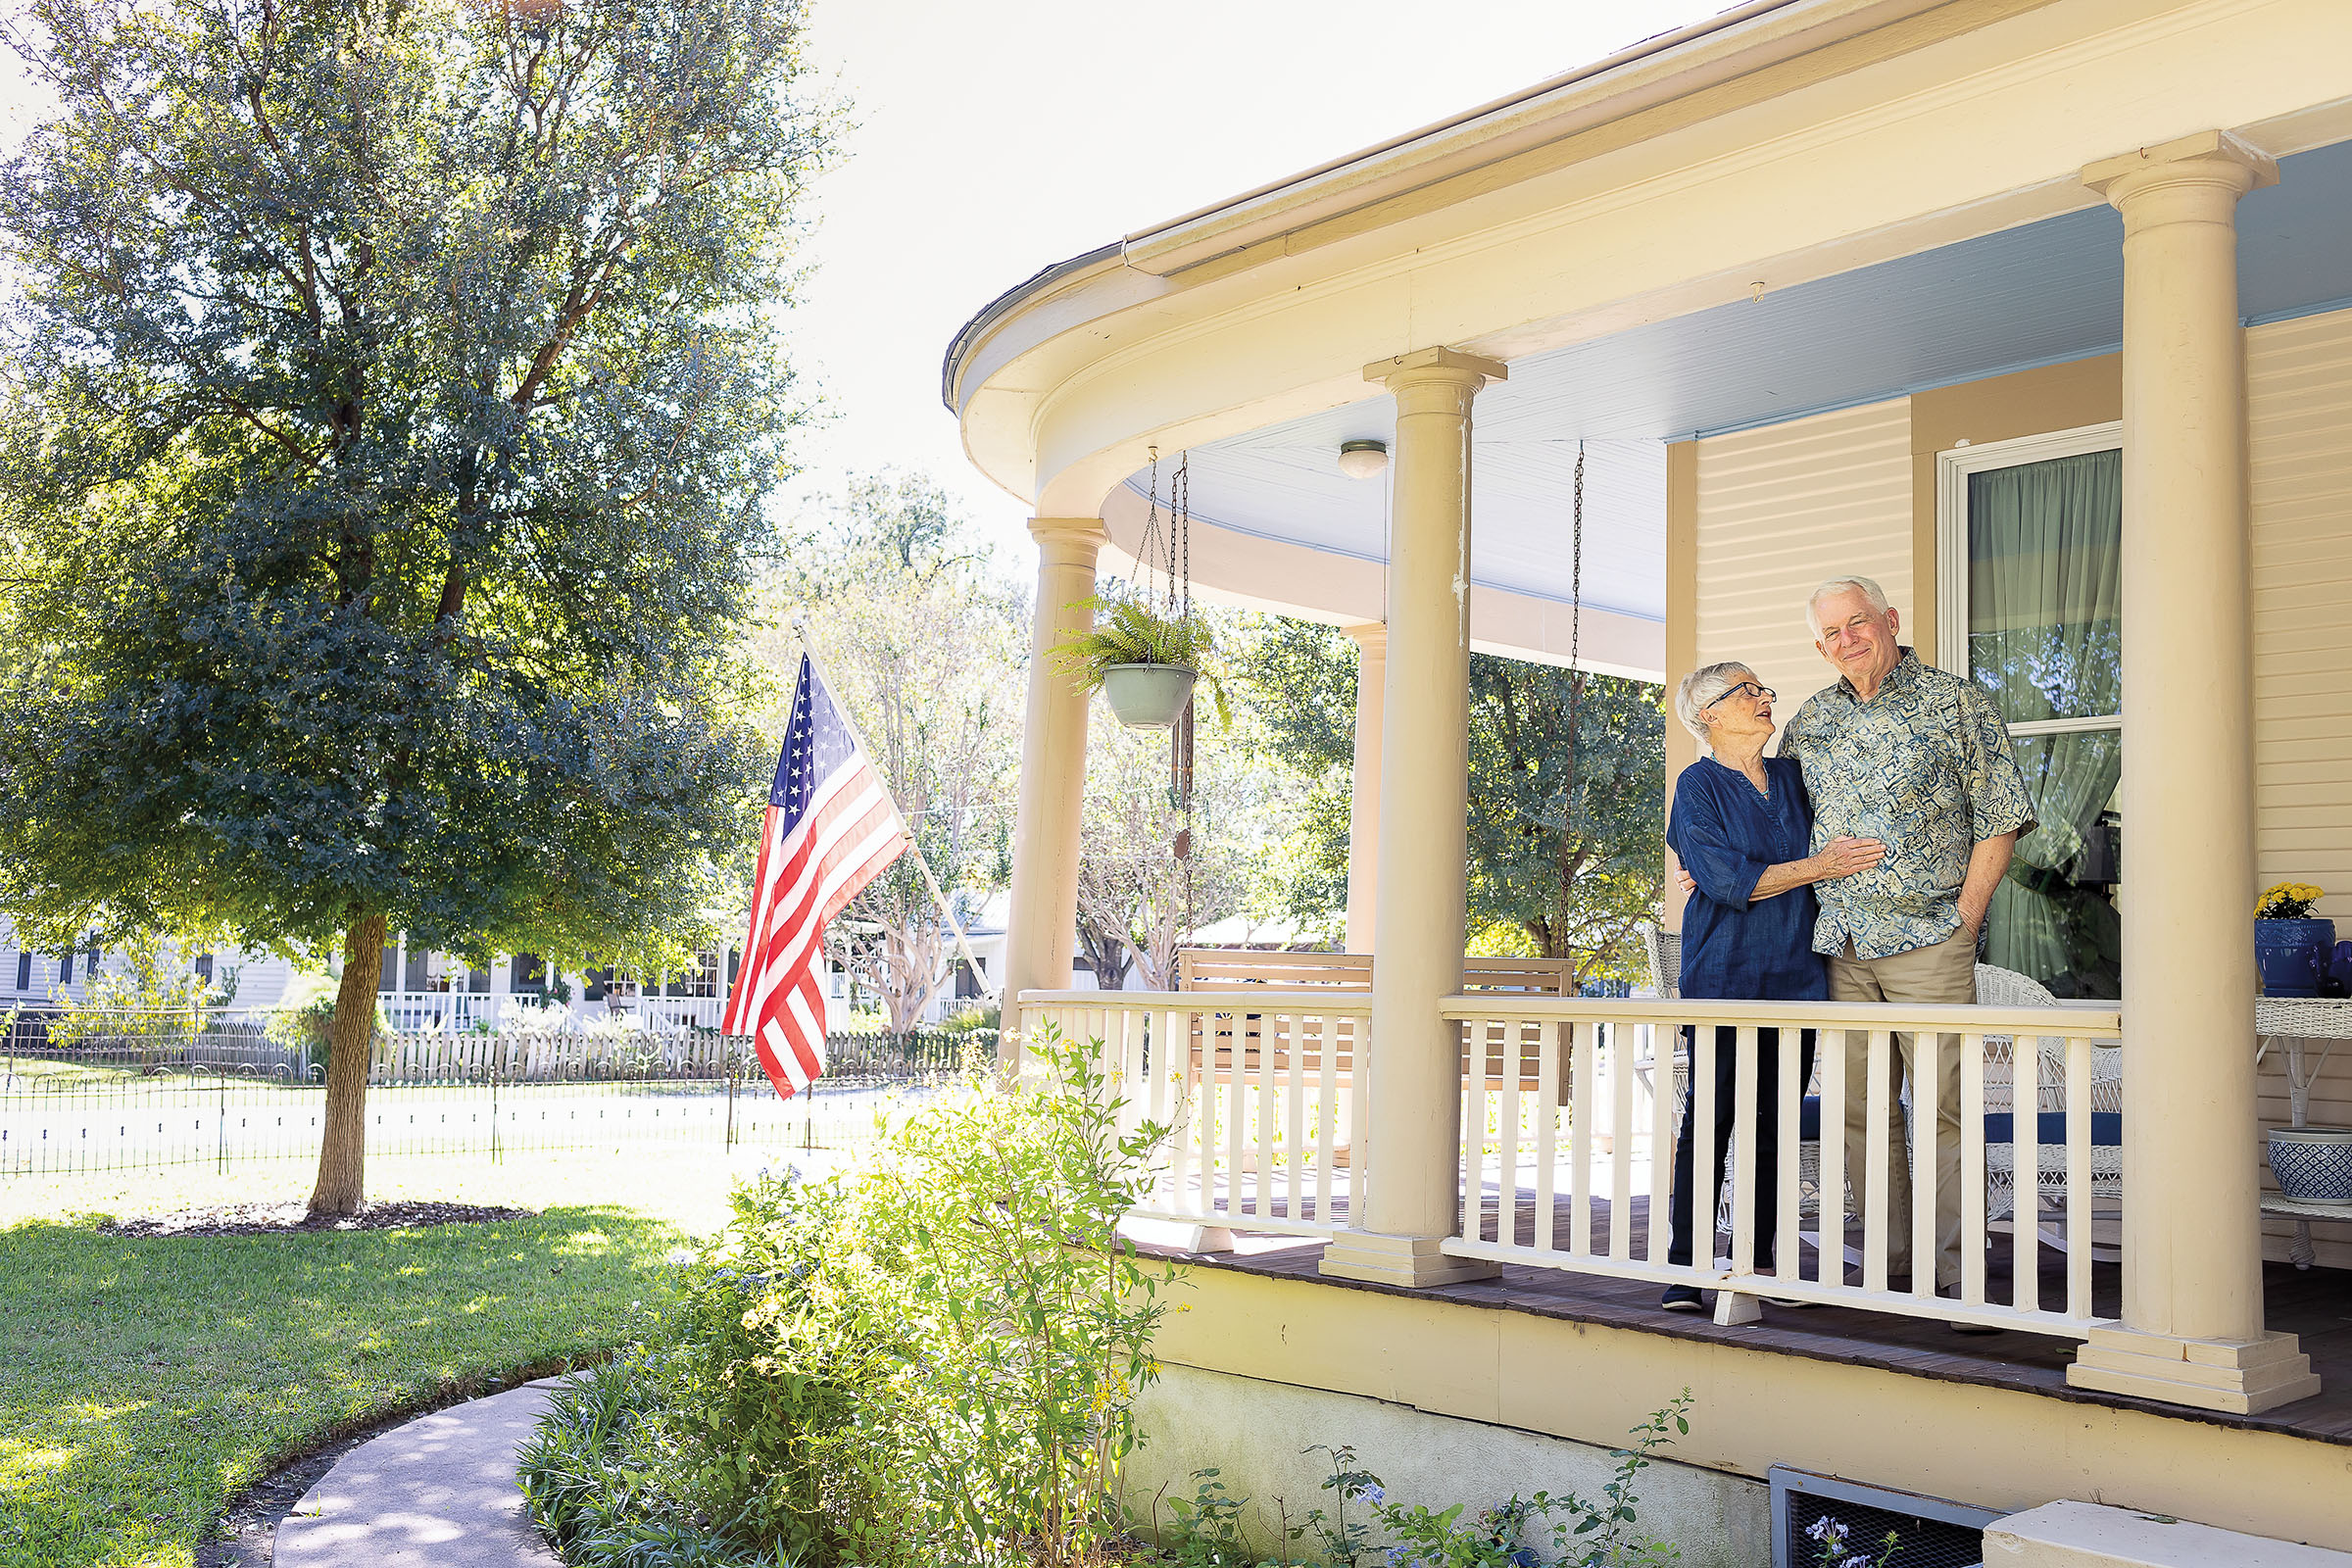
2045 637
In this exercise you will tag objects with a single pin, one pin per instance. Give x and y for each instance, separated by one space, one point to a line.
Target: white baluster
1926 1085
1621 1145
1474 1129
1660 1038
1327 1113
1830 1264
1295 1123
1506 1186
2079 1204
1972 1169
1876 1166
1233 1028
2026 1164
1548 1131
1703 1193
1580 1141
1743 1158
1786 1260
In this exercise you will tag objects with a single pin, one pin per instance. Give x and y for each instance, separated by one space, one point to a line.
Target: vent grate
1928 1532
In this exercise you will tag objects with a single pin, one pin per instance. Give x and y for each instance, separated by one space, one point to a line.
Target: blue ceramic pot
2293 956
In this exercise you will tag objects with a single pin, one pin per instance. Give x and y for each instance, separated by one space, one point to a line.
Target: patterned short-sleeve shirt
1923 766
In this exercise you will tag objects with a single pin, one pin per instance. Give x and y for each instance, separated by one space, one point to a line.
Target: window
24 971
528 974
64 968
699 981
203 967
2031 607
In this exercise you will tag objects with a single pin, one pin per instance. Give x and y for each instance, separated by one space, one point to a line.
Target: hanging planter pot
1148 696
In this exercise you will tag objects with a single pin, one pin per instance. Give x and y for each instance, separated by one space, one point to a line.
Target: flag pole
990 992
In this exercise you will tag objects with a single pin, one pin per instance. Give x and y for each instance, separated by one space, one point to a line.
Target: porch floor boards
2315 1304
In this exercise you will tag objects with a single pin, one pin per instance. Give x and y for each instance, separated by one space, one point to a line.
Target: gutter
1656 70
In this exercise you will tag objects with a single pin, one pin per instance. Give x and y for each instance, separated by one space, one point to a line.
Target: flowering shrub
2288 901
1836 1551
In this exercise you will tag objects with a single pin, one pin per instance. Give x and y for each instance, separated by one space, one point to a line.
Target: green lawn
144 1381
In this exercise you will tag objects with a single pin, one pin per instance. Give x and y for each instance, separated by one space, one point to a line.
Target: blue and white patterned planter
2313 1164
2293 955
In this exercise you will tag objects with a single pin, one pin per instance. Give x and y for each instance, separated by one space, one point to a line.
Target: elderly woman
1741 827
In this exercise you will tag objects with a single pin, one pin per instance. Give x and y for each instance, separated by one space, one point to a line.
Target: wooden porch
2314 1304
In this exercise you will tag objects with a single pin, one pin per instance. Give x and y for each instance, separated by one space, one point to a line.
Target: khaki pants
1944 973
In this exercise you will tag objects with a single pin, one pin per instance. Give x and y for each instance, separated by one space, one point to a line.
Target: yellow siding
1783 508
2299 383
2299 376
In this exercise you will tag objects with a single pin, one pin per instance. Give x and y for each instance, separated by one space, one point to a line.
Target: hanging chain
1576 638
1180 537
1148 554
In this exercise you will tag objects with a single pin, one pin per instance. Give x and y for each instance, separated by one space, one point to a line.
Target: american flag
831 828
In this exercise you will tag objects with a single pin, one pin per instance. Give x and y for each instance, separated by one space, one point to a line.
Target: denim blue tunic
1728 836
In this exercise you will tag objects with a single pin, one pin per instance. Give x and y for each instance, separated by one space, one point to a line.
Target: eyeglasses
1763 694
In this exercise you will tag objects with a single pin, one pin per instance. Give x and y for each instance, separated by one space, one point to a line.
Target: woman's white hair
1872 594
1701 687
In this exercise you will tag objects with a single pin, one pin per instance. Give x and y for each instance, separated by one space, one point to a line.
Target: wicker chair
2006 988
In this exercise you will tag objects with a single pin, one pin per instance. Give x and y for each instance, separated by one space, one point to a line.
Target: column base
1412 1261
2243 1377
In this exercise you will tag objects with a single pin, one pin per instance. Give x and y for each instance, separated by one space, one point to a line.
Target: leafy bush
1585 1533
930 1360
973 1018
599 1477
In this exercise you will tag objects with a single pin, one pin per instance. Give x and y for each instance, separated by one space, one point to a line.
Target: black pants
1766 1135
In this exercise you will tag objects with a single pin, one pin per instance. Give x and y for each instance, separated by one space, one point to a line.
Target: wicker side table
2293 1023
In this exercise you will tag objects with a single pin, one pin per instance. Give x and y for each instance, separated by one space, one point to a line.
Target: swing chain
1576 633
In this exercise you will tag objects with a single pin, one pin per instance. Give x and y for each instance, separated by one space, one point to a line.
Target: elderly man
1902 752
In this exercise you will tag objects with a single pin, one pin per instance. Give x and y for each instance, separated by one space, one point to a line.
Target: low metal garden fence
107 1095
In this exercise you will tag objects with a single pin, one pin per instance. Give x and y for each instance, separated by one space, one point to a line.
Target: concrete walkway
439 1491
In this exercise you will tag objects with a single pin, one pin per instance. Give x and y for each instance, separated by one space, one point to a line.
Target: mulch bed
281 1219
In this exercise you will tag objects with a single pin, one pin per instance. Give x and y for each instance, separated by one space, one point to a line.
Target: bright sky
995 139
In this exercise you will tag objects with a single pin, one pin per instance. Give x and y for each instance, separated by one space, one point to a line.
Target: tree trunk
351 1041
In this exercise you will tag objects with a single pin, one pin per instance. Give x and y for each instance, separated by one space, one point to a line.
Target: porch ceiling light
1363 460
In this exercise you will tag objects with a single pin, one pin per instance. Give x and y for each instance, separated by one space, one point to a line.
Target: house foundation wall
1260 1437
2003 1448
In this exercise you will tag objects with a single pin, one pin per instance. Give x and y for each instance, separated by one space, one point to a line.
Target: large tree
1566 818
922 639
392 392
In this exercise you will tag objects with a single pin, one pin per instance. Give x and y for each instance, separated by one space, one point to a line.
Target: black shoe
1951 1292
1682 1298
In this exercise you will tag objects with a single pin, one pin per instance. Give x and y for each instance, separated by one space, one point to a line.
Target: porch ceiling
2039 294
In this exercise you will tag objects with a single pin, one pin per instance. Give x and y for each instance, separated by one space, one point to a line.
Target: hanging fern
1126 632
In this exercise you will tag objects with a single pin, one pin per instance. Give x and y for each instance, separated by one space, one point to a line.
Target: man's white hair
1874 595
1701 687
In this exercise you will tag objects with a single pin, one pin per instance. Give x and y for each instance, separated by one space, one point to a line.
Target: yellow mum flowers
2288 901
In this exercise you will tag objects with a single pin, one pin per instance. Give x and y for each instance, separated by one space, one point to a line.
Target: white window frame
1953 466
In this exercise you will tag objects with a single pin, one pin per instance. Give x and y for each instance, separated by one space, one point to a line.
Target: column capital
1076 539
1372 636
1437 364
2213 158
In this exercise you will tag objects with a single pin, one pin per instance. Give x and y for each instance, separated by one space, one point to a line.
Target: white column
2192 1250
1412 1146
1363 800
1042 924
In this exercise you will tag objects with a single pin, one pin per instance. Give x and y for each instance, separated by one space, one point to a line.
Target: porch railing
1571 1107
1574 1170
1262 1092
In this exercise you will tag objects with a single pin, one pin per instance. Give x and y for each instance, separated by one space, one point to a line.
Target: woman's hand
1843 857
